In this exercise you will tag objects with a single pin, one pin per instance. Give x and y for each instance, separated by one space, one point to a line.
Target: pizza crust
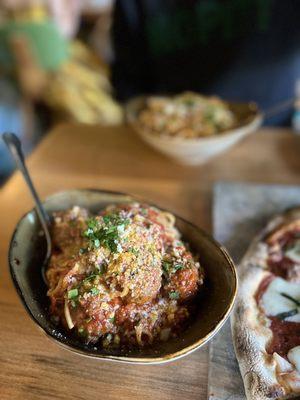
250 335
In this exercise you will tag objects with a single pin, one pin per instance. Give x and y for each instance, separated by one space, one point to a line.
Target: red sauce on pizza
286 335
280 267
278 263
263 287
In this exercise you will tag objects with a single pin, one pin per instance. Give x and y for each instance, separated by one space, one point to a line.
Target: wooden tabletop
72 156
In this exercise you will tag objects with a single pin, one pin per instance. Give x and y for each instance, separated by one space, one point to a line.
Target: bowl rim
131 109
128 359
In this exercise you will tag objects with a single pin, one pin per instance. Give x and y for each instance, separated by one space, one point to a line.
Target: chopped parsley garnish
102 268
133 251
92 223
90 277
209 114
82 331
112 320
107 234
94 291
287 314
171 268
177 267
72 293
166 265
85 284
287 296
109 337
74 303
82 250
174 295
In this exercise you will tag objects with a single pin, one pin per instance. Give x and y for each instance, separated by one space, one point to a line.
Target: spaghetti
123 276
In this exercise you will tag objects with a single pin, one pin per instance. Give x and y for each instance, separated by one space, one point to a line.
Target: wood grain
72 156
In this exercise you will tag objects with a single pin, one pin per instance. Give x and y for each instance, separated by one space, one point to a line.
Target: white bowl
197 151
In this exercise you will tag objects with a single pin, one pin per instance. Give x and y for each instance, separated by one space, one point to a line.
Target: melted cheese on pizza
274 301
294 357
293 253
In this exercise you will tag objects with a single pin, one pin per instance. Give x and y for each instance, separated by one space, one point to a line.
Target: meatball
138 278
94 317
135 269
184 283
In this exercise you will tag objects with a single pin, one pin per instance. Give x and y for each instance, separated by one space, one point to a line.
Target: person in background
238 49
65 13
31 46
46 73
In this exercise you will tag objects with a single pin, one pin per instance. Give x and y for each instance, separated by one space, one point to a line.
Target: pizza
266 319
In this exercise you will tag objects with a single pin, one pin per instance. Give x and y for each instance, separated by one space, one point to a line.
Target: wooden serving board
240 211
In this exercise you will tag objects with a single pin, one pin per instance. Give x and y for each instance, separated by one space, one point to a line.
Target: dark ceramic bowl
214 304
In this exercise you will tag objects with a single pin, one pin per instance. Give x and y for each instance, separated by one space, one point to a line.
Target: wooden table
31 366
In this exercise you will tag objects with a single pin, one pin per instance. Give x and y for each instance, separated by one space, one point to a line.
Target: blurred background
71 60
